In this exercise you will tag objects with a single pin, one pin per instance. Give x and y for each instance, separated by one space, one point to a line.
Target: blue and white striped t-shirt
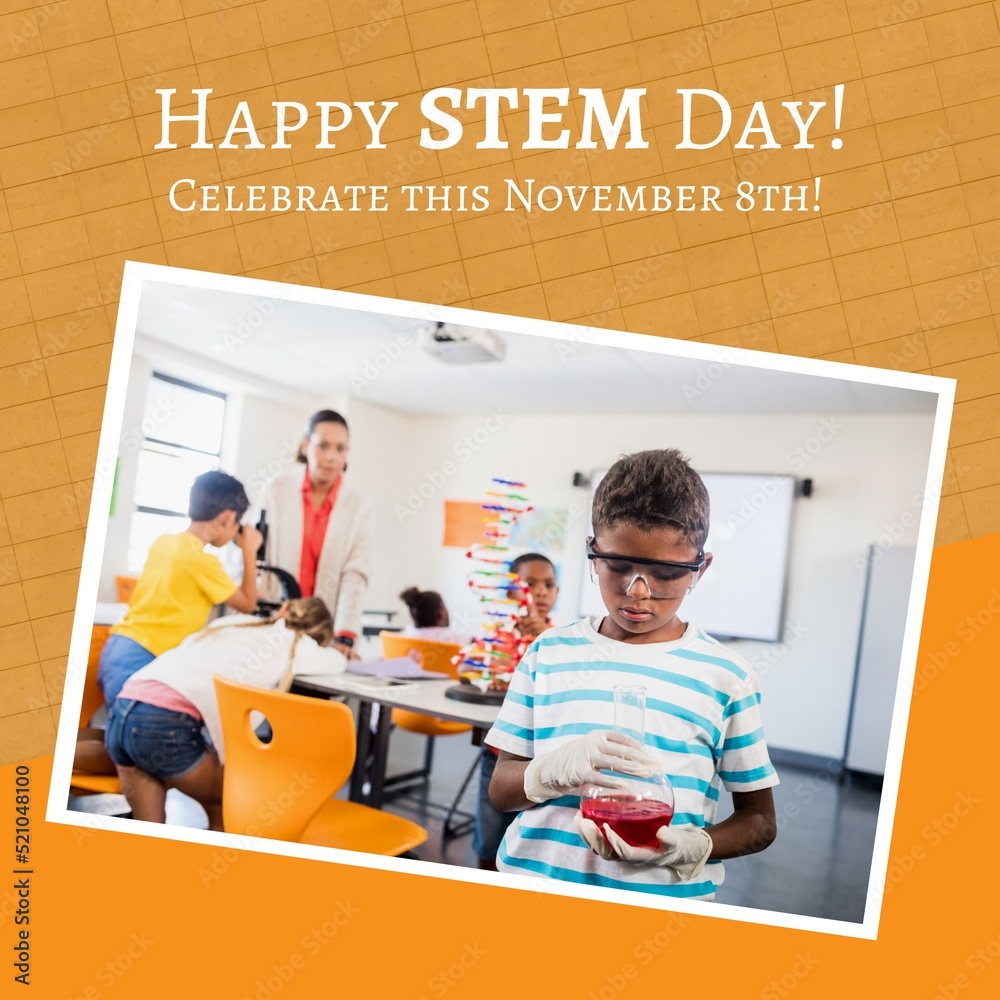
702 720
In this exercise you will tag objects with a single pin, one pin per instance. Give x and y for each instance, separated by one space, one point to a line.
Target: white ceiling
326 351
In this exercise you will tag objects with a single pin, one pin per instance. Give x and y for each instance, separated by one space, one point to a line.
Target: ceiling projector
461 345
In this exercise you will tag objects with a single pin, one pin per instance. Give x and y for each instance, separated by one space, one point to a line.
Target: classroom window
181 438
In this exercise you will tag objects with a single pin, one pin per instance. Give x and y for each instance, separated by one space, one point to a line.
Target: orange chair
265 791
125 585
436 657
83 782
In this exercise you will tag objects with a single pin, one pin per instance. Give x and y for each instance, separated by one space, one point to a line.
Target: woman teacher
320 526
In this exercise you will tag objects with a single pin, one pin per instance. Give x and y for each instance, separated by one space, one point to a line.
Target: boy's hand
591 833
249 540
685 849
580 762
531 625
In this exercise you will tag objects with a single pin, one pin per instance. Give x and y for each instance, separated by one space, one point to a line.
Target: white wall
867 472
269 435
386 449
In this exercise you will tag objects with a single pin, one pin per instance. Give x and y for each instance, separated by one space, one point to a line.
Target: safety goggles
664 579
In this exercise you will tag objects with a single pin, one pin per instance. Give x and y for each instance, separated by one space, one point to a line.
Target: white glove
580 762
685 849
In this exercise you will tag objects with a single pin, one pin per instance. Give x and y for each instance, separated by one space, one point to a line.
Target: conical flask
643 804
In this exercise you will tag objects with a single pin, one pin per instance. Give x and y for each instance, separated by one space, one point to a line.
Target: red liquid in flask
634 820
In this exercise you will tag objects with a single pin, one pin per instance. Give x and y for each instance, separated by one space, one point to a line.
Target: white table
109 613
426 697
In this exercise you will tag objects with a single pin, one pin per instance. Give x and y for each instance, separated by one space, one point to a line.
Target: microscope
288 584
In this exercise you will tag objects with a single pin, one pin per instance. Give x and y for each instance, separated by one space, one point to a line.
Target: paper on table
399 666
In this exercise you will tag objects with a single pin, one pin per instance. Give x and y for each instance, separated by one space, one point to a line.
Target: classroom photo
539 606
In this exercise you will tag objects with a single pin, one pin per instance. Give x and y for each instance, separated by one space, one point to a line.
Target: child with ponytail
430 617
156 726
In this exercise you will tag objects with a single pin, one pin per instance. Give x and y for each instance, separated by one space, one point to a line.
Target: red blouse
314 525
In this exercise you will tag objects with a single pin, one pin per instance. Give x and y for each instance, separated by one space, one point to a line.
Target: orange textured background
898 270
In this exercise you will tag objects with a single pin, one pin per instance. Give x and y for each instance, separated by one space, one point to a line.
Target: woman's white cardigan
344 560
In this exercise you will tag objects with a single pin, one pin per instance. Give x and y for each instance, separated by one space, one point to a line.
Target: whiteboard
742 594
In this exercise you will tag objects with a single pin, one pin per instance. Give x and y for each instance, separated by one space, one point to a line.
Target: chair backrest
436 656
93 696
124 586
274 789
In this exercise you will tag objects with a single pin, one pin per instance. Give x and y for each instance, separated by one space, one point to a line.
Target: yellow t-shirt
179 584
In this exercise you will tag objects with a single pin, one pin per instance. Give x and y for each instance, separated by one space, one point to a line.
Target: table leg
357 793
381 758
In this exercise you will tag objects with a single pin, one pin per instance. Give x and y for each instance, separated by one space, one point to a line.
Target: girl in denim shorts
156 733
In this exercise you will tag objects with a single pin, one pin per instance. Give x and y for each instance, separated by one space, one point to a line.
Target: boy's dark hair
516 564
320 417
653 489
424 605
214 492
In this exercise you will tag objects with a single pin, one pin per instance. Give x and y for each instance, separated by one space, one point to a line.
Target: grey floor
818 866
